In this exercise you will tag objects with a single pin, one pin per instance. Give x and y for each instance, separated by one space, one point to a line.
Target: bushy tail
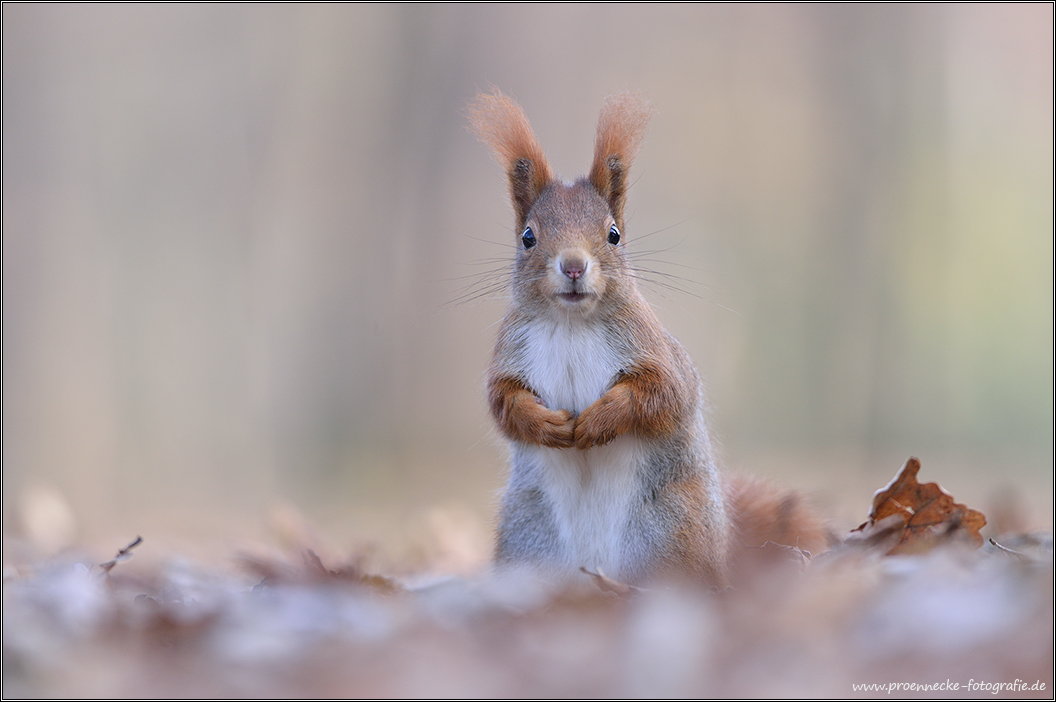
761 512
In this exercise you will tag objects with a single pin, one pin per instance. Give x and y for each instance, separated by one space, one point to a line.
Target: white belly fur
591 493
570 365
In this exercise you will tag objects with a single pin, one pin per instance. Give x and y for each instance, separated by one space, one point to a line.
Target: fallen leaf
314 572
928 514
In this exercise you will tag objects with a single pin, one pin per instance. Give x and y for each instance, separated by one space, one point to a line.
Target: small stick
122 555
1006 549
607 584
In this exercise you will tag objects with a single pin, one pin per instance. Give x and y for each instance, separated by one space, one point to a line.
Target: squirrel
612 467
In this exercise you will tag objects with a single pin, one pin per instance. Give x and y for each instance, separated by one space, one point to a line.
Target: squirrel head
569 236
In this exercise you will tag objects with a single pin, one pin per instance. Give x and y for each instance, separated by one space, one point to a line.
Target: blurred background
237 242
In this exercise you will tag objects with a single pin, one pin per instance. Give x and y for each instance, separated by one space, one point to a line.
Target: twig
122 555
607 584
1008 550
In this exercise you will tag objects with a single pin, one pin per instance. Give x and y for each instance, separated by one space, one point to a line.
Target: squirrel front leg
645 400
522 416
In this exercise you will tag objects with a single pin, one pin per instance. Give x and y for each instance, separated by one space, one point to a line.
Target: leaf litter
909 596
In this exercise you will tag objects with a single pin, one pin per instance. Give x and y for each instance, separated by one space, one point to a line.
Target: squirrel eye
614 235
528 238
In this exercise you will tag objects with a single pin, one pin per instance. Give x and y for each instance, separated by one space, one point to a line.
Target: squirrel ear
500 123
621 128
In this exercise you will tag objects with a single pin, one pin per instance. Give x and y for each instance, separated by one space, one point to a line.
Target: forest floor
898 609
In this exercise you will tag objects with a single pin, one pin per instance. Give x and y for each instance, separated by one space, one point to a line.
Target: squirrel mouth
573 297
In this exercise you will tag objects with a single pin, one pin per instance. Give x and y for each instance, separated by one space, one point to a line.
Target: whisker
674 276
657 231
662 285
478 274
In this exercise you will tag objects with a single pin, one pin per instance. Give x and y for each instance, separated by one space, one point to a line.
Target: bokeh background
237 242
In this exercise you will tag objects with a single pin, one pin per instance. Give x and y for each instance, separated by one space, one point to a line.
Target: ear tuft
621 129
500 123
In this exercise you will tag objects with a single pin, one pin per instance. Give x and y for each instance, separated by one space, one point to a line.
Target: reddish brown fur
621 129
762 512
644 400
695 553
501 124
521 416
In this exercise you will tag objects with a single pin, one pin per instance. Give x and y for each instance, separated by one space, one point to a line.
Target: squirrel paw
604 420
557 429
541 425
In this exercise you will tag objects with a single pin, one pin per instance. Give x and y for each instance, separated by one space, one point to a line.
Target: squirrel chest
569 363
590 496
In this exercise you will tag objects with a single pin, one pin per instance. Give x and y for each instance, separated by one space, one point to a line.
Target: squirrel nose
573 266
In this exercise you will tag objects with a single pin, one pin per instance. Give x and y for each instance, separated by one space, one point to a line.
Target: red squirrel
612 467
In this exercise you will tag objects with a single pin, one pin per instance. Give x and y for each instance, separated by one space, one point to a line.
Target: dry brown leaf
273 572
350 574
928 514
